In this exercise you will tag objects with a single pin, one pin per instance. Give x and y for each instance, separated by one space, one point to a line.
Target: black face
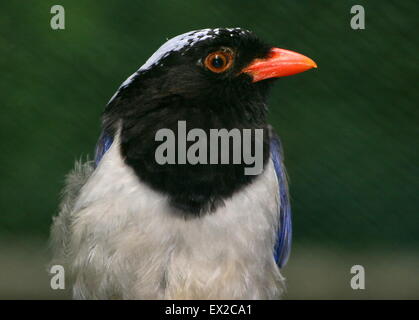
202 84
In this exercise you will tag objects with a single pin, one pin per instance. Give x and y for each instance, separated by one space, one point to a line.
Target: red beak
280 63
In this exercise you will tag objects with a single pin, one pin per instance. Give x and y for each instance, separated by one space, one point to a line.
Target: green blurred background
349 128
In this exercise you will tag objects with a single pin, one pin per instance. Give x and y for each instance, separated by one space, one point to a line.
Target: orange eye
219 61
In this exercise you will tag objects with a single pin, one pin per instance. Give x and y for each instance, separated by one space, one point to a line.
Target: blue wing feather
103 145
283 243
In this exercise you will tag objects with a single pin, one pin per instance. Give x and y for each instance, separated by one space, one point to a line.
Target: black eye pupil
217 62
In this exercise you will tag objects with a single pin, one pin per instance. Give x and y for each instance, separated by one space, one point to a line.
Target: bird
130 228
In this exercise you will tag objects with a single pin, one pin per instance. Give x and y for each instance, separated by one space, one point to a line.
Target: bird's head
210 78
214 70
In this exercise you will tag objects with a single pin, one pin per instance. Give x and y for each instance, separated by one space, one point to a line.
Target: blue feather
283 243
103 145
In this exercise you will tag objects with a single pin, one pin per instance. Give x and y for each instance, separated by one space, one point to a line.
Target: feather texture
284 238
119 239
